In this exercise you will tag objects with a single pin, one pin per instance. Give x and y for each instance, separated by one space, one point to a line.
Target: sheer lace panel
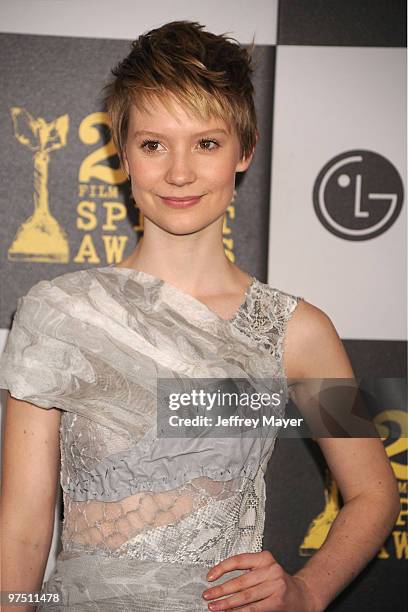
110 524
202 522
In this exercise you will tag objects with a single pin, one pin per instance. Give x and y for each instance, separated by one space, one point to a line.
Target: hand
265 583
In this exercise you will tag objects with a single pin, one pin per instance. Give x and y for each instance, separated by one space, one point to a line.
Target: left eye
205 142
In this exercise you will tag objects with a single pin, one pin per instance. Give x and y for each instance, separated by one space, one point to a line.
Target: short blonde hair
210 74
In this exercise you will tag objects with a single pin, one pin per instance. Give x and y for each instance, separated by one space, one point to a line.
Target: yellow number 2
92 166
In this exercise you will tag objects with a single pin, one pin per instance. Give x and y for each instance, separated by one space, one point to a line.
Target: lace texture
200 523
264 316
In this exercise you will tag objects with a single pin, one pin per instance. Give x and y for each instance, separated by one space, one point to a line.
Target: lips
181 202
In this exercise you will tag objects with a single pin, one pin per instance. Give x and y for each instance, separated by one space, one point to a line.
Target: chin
183 229
181 225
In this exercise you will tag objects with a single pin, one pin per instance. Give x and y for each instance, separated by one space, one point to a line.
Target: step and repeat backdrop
320 213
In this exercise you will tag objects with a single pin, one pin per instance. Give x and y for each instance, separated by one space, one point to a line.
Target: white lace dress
145 516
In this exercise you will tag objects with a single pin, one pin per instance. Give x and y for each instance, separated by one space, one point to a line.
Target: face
182 168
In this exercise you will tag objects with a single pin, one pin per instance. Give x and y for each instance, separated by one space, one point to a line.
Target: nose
181 170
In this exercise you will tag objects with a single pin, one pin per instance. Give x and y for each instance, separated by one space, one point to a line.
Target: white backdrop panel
330 100
128 18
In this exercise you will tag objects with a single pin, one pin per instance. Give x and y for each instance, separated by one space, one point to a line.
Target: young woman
158 523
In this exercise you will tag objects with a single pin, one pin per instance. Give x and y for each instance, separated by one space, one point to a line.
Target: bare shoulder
312 346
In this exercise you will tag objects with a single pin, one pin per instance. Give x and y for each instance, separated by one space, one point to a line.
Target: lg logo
358 195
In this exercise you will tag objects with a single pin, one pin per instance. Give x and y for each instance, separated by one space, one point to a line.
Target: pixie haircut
209 74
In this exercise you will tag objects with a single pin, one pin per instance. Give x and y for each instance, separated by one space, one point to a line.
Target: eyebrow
157 135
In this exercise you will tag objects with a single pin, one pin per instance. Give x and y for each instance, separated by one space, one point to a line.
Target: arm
29 487
313 350
360 466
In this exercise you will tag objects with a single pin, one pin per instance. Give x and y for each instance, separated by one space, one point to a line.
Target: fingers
237 584
264 596
241 561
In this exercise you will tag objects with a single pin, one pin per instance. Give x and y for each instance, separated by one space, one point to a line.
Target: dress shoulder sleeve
37 364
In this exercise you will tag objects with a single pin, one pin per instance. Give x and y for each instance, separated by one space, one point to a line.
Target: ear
245 162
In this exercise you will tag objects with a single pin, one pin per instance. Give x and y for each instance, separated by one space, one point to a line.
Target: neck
196 263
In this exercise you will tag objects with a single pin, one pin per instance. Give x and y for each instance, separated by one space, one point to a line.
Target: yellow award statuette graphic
320 526
40 238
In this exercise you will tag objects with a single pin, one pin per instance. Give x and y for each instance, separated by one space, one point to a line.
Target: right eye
150 146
